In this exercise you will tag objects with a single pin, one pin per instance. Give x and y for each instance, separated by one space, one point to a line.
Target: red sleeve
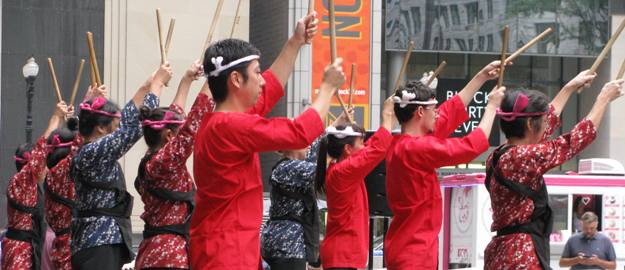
436 152
555 152
174 107
176 152
451 114
356 167
270 95
37 162
552 123
252 133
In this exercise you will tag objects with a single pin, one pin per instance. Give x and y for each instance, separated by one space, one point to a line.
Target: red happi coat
413 189
22 189
167 170
59 199
346 243
526 164
225 226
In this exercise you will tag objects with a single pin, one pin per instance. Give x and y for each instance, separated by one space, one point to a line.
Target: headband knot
56 143
96 105
520 104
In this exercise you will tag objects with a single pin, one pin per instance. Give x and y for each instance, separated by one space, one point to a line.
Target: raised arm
190 75
611 91
489 72
58 118
154 84
494 101
305 30
357 166
559 101
176 152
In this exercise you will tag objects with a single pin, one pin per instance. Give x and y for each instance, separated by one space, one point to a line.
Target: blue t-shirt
599 245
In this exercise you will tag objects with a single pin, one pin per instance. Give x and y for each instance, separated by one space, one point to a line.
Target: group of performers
213 219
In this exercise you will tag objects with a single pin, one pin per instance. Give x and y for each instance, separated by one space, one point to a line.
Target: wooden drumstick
160 36
437 71
55 82
605 51
333 51
76 82
211 31
529 44
236 18
170 33
404 66
94 61
350 102
504 48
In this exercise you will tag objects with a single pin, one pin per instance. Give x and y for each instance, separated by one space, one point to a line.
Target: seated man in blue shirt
588 249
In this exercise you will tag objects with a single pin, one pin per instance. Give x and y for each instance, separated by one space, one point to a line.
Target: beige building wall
131 54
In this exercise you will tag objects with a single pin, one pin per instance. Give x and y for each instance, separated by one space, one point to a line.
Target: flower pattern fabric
526 164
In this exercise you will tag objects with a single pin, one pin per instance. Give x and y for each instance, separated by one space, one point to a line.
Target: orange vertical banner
353 44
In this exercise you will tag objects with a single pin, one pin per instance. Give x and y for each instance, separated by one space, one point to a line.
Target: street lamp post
30 71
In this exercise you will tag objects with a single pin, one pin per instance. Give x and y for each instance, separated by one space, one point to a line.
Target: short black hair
231 50
538 102
153 136
21 150
65 134
422 92
89 120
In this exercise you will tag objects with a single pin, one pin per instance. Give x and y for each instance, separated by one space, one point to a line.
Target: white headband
406 99
348 131
219 68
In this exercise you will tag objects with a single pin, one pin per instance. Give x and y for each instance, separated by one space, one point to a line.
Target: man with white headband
422 147
225 226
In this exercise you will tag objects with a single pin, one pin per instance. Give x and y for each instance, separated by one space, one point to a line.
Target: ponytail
322 162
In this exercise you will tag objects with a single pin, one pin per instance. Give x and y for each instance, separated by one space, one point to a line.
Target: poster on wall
462 228
353 44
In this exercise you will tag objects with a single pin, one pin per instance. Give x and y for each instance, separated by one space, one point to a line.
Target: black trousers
287 264
104 257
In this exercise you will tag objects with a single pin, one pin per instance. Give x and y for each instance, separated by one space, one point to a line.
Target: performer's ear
419 112
347 149
236 79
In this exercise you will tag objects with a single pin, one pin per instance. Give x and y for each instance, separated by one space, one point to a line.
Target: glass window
489 4
583 203
455 15
461 44
560 207
489 46
471 12
416 18
480 43
445 15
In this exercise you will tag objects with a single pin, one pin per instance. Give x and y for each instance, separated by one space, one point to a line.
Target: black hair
422 92
538 102
89 120
153 136
230 50
19 152
332 146
65 134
